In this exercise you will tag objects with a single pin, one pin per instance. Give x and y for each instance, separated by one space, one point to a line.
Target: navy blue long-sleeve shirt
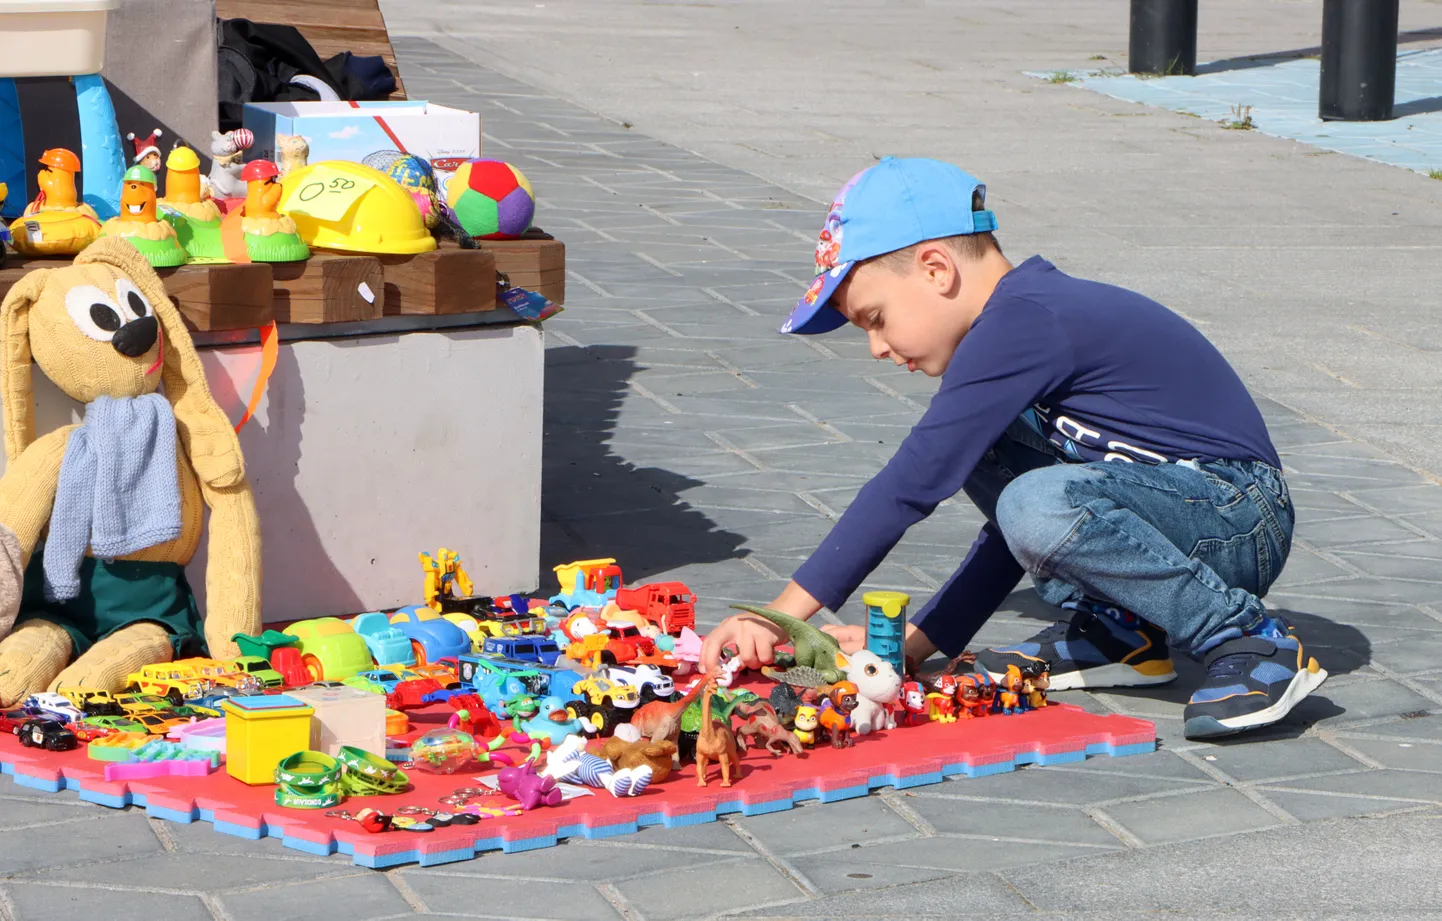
1102 372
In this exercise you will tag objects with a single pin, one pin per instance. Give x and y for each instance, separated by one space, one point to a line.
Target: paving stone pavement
686 438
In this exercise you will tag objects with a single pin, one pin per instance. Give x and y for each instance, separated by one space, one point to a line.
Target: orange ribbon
269 351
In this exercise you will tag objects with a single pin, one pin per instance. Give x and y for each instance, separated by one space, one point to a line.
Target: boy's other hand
755 641
851 637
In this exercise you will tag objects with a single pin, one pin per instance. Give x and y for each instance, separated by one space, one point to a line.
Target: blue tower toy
886 626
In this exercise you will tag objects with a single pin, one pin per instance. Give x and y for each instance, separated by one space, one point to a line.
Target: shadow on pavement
594 502
1250 61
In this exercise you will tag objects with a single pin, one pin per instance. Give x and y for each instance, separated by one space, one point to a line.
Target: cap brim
813 313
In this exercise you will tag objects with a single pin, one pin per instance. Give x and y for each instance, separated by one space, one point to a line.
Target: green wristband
308 769
307 797
372 767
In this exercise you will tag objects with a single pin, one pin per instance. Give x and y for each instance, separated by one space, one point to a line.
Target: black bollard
1359 60
1163 37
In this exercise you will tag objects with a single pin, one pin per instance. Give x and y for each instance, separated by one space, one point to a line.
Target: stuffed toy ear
17 396
207 435
842 661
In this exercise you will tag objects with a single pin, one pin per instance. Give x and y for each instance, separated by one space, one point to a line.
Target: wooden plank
535 264
209 297
446 280
328 288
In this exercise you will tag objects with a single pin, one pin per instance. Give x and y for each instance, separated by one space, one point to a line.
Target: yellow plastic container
350 207
261 732
566 573
53 38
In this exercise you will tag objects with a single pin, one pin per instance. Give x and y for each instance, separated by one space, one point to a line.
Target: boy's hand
849 636
755 640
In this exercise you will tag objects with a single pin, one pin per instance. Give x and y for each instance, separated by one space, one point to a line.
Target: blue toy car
388 645
432 638
539 679
526 647
376 681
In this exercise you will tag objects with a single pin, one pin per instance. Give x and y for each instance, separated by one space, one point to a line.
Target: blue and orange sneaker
1251 681
1100 647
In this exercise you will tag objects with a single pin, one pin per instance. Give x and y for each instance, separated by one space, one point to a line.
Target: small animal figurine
147 150
835 716
262 191
658 756
291 152
784 700
808 725
940 708
774 737
56 223
975 695
137 223
914 710
660 720
715 741
529 787
226 152
1009 694
1035 680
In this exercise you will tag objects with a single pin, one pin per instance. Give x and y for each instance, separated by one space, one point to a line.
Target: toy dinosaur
660 720
715 742
724 704
813 649
774 737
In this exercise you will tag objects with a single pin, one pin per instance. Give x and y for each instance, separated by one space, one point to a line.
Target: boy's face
912 314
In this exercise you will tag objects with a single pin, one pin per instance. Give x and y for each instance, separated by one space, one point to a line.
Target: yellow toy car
603 691
330 649
139 704
175 681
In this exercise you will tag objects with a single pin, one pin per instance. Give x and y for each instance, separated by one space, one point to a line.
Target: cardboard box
354 131
345 716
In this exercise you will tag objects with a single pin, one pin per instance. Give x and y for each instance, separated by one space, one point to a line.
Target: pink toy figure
687 651
529 788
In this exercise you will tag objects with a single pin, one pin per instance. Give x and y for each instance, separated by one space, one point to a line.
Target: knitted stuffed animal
105 328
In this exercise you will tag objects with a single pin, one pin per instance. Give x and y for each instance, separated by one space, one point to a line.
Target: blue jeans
1190 548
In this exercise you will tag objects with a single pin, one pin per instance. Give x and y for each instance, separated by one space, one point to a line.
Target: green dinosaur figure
798 676
814 649
723 704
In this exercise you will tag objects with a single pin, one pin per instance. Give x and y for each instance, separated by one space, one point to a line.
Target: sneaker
1251 681
1094 649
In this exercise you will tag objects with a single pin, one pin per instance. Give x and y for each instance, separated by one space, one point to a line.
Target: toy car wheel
133 687
608 657
175 697
312 665
420 652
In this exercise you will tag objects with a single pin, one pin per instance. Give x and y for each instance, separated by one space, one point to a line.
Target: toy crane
446 580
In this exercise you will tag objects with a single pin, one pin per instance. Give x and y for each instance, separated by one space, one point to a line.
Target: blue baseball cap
884 208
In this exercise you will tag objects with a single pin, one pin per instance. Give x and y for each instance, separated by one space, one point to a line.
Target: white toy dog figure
226 153
878 685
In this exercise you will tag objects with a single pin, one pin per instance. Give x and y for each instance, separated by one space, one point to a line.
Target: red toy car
627 644
668 605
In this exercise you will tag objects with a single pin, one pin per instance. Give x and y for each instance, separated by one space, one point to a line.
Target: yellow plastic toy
446 579
196 219
137 224
56 223
353 208
269 235
262 730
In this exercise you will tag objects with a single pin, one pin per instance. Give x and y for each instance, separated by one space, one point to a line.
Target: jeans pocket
1243 561
1221 492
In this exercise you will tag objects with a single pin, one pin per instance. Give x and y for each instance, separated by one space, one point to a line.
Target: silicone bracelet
361 785
308 769
373 767
309 797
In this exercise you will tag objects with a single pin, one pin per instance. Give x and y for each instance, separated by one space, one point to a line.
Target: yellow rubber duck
56 223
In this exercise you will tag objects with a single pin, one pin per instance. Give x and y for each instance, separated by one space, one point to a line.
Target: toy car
540 680
92 702
604 703
259 669
159 723
376 681
668 605
136 704
88 732
47 734
225 674
175 681
330 649
587 583
12 720
626 645
527 648
54 706
444 675
388 645
432 637
414 692
115 723
649 681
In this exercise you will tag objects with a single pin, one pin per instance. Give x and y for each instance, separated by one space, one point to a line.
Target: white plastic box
53 38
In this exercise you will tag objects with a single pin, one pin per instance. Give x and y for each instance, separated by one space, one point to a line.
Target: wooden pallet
331 26
534 264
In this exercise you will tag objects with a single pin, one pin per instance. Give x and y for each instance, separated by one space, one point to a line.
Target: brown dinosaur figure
774 737
659 720
715 741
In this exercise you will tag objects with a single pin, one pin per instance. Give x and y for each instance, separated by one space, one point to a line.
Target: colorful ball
492 200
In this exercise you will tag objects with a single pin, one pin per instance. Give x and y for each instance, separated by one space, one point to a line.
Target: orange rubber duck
137 196
262 191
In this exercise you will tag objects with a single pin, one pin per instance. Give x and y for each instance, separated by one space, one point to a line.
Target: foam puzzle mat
908 756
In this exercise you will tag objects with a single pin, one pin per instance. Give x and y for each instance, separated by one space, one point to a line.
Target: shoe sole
1112 675
1209 727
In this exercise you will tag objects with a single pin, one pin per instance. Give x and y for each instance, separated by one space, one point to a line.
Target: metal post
1163 37
1359 60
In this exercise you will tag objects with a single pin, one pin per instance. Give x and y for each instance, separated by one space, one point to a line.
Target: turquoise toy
553 720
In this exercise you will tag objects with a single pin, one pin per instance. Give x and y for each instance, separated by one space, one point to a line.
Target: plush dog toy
98 520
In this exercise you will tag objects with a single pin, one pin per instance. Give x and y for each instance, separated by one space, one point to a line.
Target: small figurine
1008 697
548 719
527 786
138 225
196 219
785 699
147 150
658 756
808 725
1035 680
940 708
447 587
56 223
835 715
913 704
269 235
774 737
975 695
715 741
292 153
226 151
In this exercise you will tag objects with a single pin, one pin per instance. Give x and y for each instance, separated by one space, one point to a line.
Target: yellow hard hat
341 205
182 158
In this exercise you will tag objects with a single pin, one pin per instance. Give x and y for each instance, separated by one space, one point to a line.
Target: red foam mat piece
903 757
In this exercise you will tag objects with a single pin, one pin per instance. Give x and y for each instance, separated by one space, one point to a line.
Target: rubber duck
196 219
269 235
56 223
137 222
551 720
